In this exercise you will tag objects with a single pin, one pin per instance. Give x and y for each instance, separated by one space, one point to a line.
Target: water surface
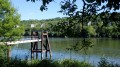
103 47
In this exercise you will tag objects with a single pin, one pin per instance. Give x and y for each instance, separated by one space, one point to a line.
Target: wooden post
36 49
46 46
36 55
34 45
8 53
49 46
31 49
31 45
42 45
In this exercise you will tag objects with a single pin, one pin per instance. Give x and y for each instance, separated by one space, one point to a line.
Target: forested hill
53 20
99 26
44 22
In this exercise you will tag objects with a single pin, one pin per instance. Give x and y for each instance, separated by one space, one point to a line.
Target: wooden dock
34 39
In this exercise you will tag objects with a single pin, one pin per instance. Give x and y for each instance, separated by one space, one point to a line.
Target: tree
9 21
44 3
110 4
90 9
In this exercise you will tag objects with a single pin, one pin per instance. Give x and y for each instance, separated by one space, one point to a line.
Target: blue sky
30 10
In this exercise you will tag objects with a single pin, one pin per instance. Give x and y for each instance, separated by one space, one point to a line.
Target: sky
30 10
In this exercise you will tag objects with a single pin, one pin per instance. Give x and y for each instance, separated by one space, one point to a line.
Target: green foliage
72 63
90 31
109 4
3 51
44 4
3 62
86 44
115 16
51 63
90 1
9 20
105 31
48 63
104 63
13 63
18 63
43 63
61 27
88 13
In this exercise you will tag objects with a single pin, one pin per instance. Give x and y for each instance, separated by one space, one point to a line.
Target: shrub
104 63
73 63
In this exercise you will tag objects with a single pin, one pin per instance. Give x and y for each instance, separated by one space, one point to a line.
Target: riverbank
51 63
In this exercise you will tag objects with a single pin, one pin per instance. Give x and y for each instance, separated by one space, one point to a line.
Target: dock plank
19 42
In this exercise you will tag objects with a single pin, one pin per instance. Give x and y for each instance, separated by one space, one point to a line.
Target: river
103 47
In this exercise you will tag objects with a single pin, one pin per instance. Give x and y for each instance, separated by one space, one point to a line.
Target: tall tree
9 21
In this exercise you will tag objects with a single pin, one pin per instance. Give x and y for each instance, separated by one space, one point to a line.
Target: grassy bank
51 63
43 63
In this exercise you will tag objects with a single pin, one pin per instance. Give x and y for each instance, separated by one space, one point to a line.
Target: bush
104 63
72 63
88 31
